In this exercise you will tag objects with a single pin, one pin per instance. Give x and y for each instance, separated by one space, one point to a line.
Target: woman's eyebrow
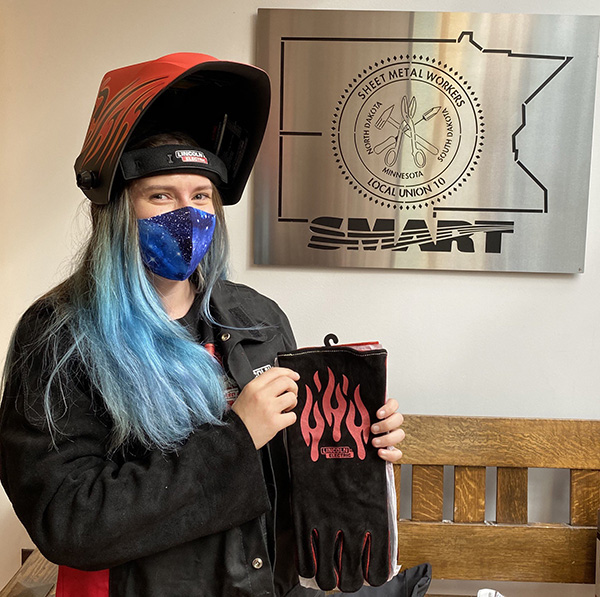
170 187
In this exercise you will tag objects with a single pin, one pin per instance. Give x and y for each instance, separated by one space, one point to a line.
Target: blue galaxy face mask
174 243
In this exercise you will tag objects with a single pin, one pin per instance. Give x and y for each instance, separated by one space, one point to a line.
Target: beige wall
472 343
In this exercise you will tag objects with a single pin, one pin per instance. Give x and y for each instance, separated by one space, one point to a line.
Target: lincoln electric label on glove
343 497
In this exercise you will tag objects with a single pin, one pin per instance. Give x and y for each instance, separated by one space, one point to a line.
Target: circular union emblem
407 132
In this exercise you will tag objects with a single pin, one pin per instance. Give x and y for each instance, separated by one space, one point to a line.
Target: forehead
181 181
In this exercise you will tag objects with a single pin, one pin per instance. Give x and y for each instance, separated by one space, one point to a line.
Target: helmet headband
173 158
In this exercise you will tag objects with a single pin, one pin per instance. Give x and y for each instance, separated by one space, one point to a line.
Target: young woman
140 423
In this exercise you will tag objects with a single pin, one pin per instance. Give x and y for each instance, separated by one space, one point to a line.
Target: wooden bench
511 548
36 577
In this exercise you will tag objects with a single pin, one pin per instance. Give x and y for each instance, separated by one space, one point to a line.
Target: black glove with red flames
339 490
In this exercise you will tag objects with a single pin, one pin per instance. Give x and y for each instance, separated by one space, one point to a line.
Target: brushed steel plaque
426 140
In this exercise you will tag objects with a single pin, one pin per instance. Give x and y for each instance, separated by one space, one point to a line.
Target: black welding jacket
211 519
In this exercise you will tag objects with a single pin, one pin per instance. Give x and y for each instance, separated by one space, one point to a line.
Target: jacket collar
234 316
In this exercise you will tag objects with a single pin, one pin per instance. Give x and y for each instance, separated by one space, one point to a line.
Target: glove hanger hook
330 340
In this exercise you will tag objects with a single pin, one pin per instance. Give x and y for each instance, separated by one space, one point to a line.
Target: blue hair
157 383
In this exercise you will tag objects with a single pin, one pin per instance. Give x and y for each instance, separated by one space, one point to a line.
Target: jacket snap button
224 338
257 563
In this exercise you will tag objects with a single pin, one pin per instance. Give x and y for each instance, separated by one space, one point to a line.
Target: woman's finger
390 407
388 439
389 424
287 402
390 454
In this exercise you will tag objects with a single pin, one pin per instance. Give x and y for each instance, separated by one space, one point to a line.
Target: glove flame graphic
348 407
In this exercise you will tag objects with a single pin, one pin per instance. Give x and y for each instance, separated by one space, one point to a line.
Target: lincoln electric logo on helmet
191 155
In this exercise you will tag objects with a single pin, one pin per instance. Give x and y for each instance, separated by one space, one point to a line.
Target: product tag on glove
343 497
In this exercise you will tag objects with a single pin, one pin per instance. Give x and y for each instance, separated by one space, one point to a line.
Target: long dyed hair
156 382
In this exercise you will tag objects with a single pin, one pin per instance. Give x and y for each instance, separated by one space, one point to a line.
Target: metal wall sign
426 140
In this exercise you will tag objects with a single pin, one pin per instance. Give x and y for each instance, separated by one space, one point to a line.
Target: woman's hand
264 403
388 431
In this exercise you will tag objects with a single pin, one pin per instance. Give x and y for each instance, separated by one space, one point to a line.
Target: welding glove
343 500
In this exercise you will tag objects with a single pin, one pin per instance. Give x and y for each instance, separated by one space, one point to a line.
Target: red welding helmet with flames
222 105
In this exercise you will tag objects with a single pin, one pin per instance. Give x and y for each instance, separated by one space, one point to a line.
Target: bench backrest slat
511 495
585 497
469 494
532 553
490 441
427 493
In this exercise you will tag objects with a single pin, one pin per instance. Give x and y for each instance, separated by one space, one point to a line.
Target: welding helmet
223 106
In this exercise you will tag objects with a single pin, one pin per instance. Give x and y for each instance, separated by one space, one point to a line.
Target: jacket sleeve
86 510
